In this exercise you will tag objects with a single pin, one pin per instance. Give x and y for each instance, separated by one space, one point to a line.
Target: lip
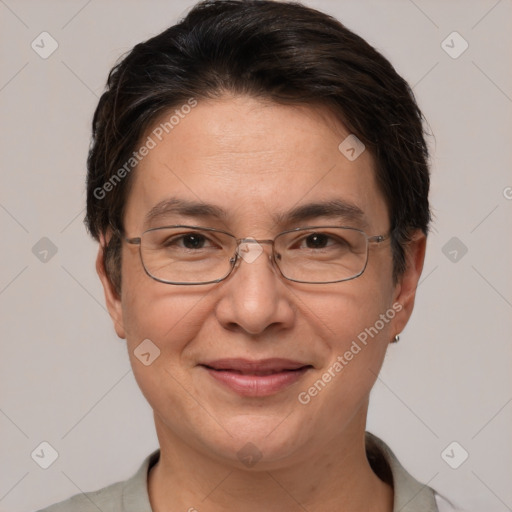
256 378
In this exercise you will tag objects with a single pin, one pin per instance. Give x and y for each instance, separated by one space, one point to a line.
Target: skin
255 158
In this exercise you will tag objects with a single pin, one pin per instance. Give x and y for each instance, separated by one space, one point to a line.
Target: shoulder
107 499
410 495
129 495
443 504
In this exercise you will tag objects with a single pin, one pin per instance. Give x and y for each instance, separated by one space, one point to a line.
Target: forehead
254 161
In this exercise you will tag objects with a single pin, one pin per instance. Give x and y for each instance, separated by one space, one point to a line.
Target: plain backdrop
64 375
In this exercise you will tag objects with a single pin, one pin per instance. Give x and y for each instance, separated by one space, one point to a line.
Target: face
256 162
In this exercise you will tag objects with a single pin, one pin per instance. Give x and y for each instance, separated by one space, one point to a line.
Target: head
244 105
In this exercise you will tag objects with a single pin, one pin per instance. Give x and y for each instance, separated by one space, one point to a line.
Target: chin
258 441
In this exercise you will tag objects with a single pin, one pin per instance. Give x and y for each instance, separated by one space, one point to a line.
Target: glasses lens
186 254
322 254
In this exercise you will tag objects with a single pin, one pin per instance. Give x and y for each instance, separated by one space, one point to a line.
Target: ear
405 289
112 298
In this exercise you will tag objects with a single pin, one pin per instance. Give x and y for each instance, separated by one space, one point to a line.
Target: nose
254 297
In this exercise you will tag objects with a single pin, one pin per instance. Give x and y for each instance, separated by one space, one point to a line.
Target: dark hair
284 52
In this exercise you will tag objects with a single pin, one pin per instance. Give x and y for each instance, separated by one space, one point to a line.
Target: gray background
65 377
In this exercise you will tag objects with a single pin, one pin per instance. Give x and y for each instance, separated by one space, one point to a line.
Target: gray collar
409 494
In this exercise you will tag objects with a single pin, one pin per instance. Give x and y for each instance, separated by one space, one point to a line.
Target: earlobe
112 298
405 290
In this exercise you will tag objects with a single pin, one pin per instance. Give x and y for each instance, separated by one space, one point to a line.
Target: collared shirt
132 495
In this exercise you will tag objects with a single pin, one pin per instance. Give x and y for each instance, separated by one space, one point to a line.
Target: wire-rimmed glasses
192 255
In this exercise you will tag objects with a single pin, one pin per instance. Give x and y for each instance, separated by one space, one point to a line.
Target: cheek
345 311
167 315
162 324
355 319
168 319
358 337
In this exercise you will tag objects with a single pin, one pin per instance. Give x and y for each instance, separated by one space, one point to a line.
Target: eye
193 240
317 240
187 241
322 241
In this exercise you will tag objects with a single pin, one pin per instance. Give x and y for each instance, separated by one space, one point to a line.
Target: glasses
191 255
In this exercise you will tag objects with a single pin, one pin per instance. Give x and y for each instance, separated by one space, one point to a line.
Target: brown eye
193 241
186 241
317 241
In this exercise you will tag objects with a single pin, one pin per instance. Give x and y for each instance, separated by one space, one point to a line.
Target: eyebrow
335 208
183 207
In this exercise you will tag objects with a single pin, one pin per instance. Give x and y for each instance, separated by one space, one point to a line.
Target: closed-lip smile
256 378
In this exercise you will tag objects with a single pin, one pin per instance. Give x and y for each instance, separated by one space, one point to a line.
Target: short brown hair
285 52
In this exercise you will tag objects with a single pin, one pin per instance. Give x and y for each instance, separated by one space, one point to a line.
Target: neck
332 476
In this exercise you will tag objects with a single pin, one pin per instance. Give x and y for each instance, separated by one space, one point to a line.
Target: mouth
256 378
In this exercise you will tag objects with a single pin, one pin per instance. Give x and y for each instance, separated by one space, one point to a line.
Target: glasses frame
375 239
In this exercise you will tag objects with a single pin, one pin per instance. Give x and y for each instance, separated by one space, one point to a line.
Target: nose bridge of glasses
250 240
249 249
